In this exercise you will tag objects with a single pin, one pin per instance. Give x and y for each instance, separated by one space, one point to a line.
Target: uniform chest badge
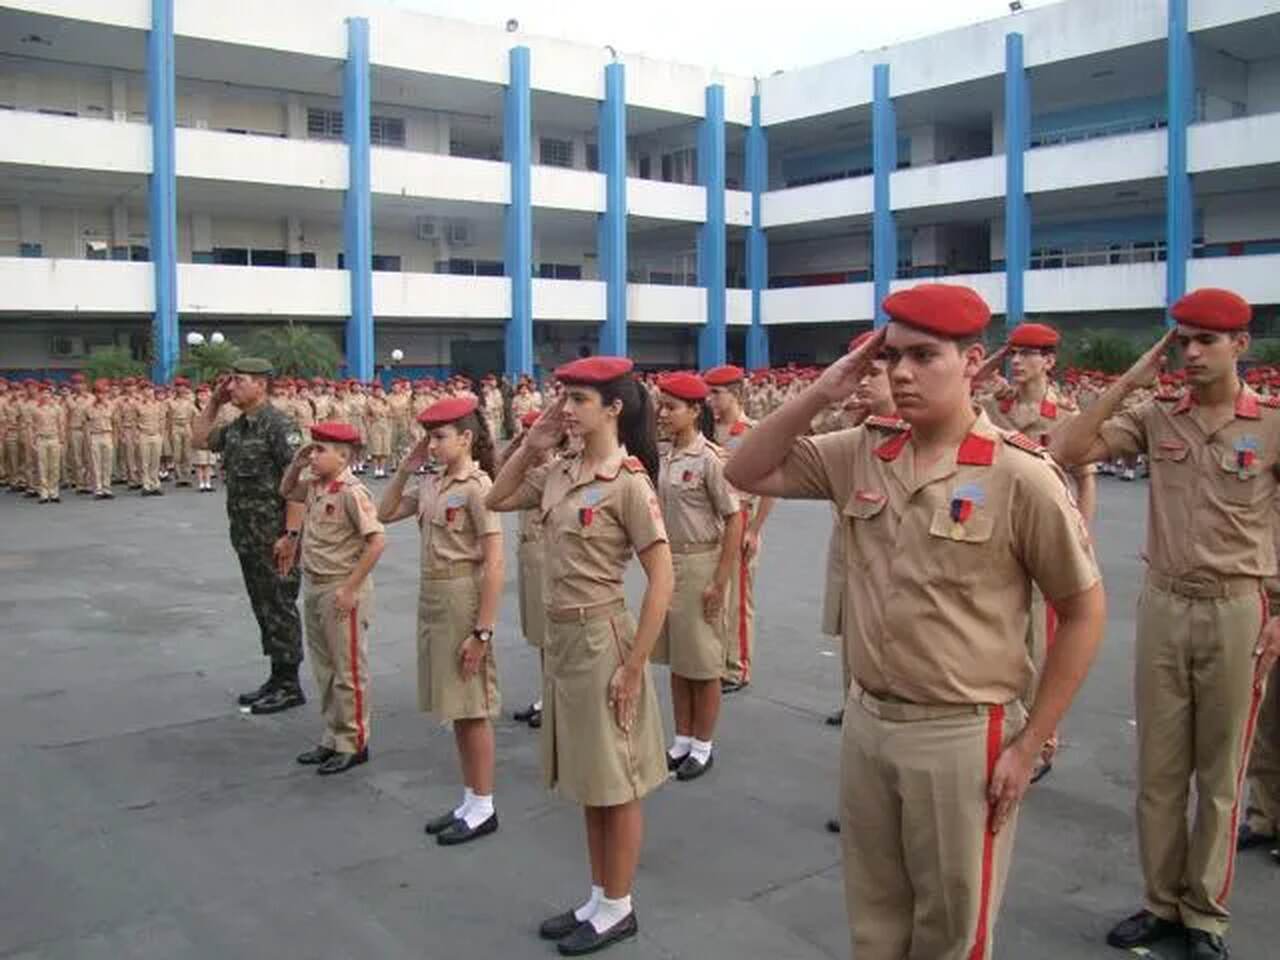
587 511
328 509
1246 454
452 505
964 500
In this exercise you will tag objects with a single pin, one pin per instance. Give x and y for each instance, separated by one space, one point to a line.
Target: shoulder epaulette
1169 397
738 429
633 465
887 423
1025 443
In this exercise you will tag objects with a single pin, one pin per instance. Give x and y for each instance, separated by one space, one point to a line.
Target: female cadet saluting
601 732
458 599
705 523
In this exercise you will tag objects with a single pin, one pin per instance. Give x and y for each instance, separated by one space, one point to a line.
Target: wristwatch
484 636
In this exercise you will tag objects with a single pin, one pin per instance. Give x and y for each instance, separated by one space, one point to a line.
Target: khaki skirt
692 647
446 616
532 588
379 439
586 756
201 458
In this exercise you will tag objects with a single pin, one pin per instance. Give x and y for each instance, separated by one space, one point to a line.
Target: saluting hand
419 455
548 430
1267 651
841 379
1010 780
624 696
1149 365
990 366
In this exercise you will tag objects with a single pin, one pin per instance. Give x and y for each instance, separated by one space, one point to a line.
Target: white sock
481 809
585 912
700 749
468 798
681 746
538 705
609 912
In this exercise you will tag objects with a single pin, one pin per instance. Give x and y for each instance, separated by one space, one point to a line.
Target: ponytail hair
637 423
481 441
706 421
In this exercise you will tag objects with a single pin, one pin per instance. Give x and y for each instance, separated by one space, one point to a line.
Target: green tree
204 362
1105 350
1266 352
113 363
296 351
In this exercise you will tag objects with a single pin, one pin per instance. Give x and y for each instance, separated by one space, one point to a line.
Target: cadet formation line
961 581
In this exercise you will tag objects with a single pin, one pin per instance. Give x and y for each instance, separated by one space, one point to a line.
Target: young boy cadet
342 541
947 522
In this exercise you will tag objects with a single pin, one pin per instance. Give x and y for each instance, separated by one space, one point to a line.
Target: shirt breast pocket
957 550
250 460
865 510
1240 477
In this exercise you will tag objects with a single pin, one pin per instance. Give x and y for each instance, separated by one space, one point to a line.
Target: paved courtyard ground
142 816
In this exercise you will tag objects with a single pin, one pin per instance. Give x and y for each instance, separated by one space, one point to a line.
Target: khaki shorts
586 756
533 602
446 616
692 647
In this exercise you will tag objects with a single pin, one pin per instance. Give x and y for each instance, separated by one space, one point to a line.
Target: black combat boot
253 696
285 695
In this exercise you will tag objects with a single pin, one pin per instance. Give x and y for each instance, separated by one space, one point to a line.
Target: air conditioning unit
66 347
428 228
459 233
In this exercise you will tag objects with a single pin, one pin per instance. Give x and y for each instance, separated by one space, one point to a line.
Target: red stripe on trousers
355 679
995 742
744 644
1251 723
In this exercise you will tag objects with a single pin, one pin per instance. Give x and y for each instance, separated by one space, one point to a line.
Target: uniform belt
695 547
900 711
583 614
47 436
452 570
1205 587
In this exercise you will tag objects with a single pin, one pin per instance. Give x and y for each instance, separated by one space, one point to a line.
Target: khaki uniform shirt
592 525
46 421
127 410
939 565
182 411
398 403
729 437
322 404
77 411
150 415
452 517
340 516
101 417
1212 485
694 494
377 410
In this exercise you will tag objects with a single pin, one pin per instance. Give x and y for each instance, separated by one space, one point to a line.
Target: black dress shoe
282 697
584 938
1141 930
442 822
525 715
559 926
1247 838
535 721
316 755
833 825
55 499
1203 945
342 762
253 696
835 719
733 686
1042 771
673 763
458 831
692 768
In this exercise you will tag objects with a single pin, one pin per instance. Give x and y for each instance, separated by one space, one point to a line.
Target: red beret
182 382
77 378
447 411
102 383
594 370
943 309
684 386
530 418
723 376
860 339
335 433
1034 335
1213 309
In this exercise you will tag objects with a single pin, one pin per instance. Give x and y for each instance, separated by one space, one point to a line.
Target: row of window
324 124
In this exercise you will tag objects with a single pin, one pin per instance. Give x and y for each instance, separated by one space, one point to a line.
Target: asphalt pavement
143 816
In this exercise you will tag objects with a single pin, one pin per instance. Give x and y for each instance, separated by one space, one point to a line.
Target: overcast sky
729 36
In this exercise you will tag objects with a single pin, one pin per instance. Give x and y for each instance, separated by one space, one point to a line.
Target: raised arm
393 507
539 440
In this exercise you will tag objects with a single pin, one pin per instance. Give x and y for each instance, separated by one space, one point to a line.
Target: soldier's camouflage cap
254 365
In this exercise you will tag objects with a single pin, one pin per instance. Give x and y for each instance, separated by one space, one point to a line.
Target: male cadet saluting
256 450
947 523
1202 651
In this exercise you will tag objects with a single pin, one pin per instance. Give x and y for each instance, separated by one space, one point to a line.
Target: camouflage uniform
256 450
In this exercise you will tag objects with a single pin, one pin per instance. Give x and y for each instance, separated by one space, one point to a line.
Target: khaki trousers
1264 763
150 446
1197 696
180 440
133 458
741 635
924 875
48 465
339 651
6 470
102 455
77 459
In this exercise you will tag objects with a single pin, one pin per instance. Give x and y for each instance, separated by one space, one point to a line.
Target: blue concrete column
612 232
163 191
517 151
1017 211
757 245
1178 213
884 160
711 235
357 229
